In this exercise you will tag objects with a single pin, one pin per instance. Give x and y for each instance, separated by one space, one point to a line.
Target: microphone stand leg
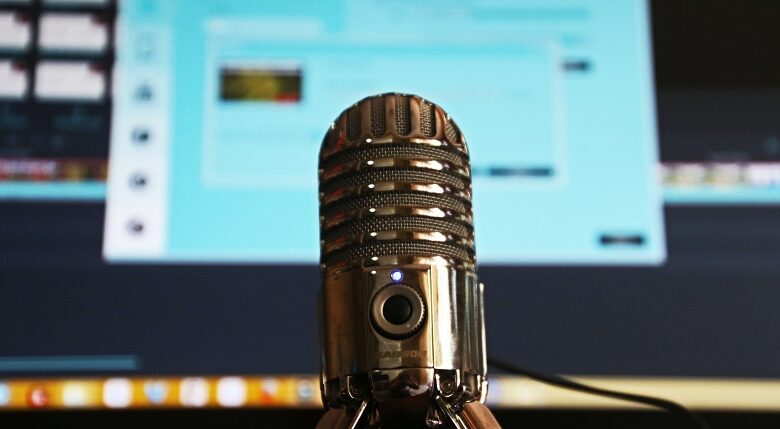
340 418
477 416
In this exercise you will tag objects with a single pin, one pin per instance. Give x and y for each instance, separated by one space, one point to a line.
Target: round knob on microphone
397 311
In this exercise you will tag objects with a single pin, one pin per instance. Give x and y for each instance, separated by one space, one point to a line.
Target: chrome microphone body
402 310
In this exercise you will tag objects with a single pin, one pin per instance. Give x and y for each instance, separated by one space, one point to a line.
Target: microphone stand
475 415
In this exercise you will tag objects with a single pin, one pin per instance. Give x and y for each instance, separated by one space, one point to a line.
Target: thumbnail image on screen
260 82
55 73
720 147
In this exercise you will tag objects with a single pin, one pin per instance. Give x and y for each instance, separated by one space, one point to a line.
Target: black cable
559 381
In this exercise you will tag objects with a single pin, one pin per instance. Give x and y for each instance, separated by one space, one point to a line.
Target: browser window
220 108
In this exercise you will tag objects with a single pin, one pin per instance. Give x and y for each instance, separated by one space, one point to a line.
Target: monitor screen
159 235
221 106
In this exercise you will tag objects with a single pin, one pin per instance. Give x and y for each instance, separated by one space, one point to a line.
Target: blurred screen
55 79
556 99
158 195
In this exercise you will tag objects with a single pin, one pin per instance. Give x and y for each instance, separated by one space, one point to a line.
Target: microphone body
402 333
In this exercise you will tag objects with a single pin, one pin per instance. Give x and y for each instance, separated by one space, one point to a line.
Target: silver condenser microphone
402 310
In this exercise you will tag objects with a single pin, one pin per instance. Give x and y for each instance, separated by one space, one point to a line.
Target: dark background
711 310
716 44
718 79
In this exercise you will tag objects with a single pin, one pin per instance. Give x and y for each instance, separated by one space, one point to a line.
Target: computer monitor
158 222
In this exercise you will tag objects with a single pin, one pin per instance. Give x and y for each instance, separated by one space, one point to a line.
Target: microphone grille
395 183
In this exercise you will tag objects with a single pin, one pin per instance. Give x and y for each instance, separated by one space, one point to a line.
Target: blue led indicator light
396 275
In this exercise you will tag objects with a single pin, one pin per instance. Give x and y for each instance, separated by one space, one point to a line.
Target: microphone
402 329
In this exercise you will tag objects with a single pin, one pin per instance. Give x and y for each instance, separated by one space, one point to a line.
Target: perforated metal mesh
393 174
403 123
397 247
450 131
353 123
399 223
398 199
378 120
427 120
